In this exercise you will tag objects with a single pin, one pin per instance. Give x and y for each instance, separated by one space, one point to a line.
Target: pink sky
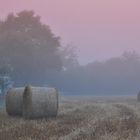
99 28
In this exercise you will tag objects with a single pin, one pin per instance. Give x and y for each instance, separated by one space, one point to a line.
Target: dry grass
79 119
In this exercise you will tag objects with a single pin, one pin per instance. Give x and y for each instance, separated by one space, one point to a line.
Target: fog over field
31 53
80 47
73 67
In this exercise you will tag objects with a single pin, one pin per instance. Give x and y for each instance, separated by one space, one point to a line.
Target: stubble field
79 118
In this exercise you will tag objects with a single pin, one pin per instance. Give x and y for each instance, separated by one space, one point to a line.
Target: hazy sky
99 28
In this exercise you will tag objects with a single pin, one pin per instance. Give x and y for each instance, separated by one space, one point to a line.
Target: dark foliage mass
120 75
29 47
32 54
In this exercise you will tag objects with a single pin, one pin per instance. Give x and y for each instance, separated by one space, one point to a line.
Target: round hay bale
138 97
40 102
14 101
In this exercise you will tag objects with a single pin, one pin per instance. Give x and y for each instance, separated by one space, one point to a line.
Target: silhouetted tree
69 57
31 48
116 76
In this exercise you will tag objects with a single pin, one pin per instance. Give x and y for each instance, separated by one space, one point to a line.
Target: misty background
31 53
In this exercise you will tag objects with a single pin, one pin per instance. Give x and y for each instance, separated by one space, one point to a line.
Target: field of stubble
79 119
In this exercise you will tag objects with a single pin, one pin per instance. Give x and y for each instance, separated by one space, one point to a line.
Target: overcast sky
99 28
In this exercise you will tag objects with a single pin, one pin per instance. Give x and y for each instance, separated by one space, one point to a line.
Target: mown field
88 118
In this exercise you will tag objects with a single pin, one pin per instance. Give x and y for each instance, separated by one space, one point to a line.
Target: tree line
30 53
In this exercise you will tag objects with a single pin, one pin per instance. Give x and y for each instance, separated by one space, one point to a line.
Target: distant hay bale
14 101
40 102
138 97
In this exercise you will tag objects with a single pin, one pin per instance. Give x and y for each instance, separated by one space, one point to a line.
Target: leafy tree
31 48
69 57
131 56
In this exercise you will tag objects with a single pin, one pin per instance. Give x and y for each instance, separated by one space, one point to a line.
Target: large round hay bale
40 102
138 97
14 101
